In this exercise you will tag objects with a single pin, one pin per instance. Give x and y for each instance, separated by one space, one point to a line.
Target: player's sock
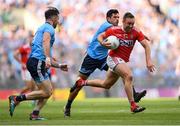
73 88
133 103
35 112
21 97
134 91
69 102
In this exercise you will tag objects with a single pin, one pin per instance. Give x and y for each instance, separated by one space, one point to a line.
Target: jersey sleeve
108 32
49 30
140 36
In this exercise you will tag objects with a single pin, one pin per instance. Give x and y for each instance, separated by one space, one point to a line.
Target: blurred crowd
158 19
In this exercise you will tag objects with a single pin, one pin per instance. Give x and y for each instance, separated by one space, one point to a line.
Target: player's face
55 20
128 24
114 19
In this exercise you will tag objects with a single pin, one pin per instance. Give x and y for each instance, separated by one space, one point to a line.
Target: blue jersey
37 50
95 49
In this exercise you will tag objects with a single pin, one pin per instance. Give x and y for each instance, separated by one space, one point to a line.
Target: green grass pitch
106 111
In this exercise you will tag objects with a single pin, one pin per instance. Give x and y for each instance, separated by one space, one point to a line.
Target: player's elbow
107 86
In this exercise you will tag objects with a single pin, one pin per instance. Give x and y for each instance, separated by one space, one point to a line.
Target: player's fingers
108 44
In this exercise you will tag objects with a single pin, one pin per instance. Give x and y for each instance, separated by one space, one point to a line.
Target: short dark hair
128 15
51 11
111 12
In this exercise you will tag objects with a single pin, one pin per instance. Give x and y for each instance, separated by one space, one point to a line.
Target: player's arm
56 64
46 47
149 64
146 37
16 55
102 40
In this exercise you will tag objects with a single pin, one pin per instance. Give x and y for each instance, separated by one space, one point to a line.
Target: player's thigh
88 66
111 78
28 83
123 70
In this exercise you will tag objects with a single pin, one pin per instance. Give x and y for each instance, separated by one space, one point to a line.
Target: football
114 41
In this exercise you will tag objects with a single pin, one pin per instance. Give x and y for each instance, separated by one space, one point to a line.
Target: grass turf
110 111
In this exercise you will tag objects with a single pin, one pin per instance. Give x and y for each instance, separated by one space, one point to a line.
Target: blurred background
158 19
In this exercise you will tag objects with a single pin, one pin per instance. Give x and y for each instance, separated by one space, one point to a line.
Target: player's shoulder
106 25
136 29
115 28
46 27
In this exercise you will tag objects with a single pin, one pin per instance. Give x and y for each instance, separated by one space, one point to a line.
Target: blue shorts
37 70
89 65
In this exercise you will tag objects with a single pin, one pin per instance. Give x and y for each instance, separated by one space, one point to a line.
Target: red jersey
127 41
24 51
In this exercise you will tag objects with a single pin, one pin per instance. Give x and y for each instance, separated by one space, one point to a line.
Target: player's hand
106 44
147 38
151 66
63 67
48 62
53 58
23 66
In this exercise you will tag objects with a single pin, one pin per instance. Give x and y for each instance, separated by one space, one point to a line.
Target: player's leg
110 80
36 112
87 67
137 95
124 71
105 67
46 88
72 95
26 77
41 102
26 88
39 74
44 91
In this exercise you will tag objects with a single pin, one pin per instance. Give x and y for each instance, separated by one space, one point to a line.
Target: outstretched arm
147 38
56 64
149 64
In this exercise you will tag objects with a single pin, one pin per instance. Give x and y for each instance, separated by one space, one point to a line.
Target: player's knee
47 94
129 77
107 86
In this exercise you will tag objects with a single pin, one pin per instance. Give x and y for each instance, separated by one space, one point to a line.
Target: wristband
48 59
60 65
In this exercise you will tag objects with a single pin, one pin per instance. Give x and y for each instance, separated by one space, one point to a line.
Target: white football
114 41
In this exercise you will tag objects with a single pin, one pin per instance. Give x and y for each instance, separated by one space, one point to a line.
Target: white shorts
112 62
26 76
